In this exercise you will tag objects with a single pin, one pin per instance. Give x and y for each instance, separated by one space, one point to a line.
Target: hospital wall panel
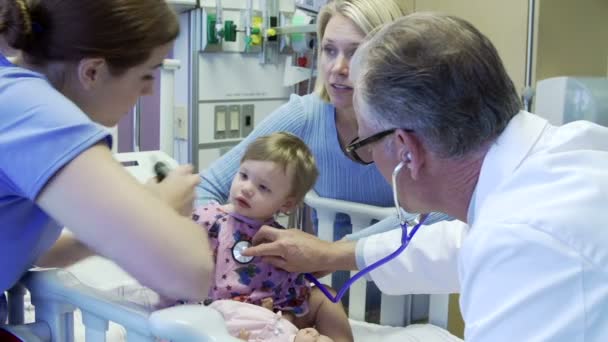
572 38
503 22
569 36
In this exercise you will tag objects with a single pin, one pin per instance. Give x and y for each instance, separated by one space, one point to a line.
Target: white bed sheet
106 276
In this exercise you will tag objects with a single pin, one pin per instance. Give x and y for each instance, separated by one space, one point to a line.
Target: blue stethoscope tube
405 240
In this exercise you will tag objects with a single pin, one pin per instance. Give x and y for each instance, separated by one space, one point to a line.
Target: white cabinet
183 5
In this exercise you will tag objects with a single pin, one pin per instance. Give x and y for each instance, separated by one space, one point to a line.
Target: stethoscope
405 240
237 252
240 246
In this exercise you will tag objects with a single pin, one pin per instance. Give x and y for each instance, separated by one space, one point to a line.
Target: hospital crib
56 295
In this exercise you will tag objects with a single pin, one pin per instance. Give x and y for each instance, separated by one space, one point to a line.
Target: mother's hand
296 251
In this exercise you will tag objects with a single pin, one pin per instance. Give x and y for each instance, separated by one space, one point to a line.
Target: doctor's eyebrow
156 66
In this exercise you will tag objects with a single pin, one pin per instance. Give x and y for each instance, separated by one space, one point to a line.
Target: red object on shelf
302 61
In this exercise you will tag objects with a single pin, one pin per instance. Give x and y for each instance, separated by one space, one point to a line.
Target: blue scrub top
40 132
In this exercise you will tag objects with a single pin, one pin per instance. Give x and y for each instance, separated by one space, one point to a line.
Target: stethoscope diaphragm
237 252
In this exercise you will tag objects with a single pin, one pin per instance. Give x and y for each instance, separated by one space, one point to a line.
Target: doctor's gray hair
439 76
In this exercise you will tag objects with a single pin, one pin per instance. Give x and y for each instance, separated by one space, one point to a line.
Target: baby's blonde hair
291 153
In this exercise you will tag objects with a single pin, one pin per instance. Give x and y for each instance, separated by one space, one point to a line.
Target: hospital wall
570 39
504 22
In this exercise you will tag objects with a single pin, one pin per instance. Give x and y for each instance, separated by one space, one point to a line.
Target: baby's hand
311 335
244 335
267 303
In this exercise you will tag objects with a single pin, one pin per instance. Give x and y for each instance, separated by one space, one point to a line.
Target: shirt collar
505 155
4 61
252 222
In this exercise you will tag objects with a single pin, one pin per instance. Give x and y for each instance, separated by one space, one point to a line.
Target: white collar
504 156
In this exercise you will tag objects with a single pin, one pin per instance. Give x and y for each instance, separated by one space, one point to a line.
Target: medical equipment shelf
310 28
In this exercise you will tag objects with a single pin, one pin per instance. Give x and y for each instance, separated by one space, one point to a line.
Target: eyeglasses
364 156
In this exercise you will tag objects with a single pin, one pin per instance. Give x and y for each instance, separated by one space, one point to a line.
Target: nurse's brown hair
123 32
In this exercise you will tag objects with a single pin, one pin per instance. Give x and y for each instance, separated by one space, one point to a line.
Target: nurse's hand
177 189
296 251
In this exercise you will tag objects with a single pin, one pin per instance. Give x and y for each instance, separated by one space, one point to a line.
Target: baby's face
260 189
311 335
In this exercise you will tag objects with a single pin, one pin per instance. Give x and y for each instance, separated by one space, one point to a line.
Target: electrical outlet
180 119
247 112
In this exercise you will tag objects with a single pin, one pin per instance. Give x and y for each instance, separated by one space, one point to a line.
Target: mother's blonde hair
364 14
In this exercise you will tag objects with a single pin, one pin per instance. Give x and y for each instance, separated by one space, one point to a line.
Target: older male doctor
434 100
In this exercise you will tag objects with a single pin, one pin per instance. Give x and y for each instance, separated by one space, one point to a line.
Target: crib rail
56 294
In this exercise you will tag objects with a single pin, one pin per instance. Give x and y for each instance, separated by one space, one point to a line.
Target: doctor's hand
177 189
296 251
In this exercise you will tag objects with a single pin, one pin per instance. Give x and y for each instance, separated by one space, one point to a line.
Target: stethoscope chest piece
237 252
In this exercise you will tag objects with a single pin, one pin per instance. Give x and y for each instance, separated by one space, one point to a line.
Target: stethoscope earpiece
407 157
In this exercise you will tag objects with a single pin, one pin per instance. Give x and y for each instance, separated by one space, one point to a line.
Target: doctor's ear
411 151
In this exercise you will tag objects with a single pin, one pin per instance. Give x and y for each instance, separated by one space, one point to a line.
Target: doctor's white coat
533 266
